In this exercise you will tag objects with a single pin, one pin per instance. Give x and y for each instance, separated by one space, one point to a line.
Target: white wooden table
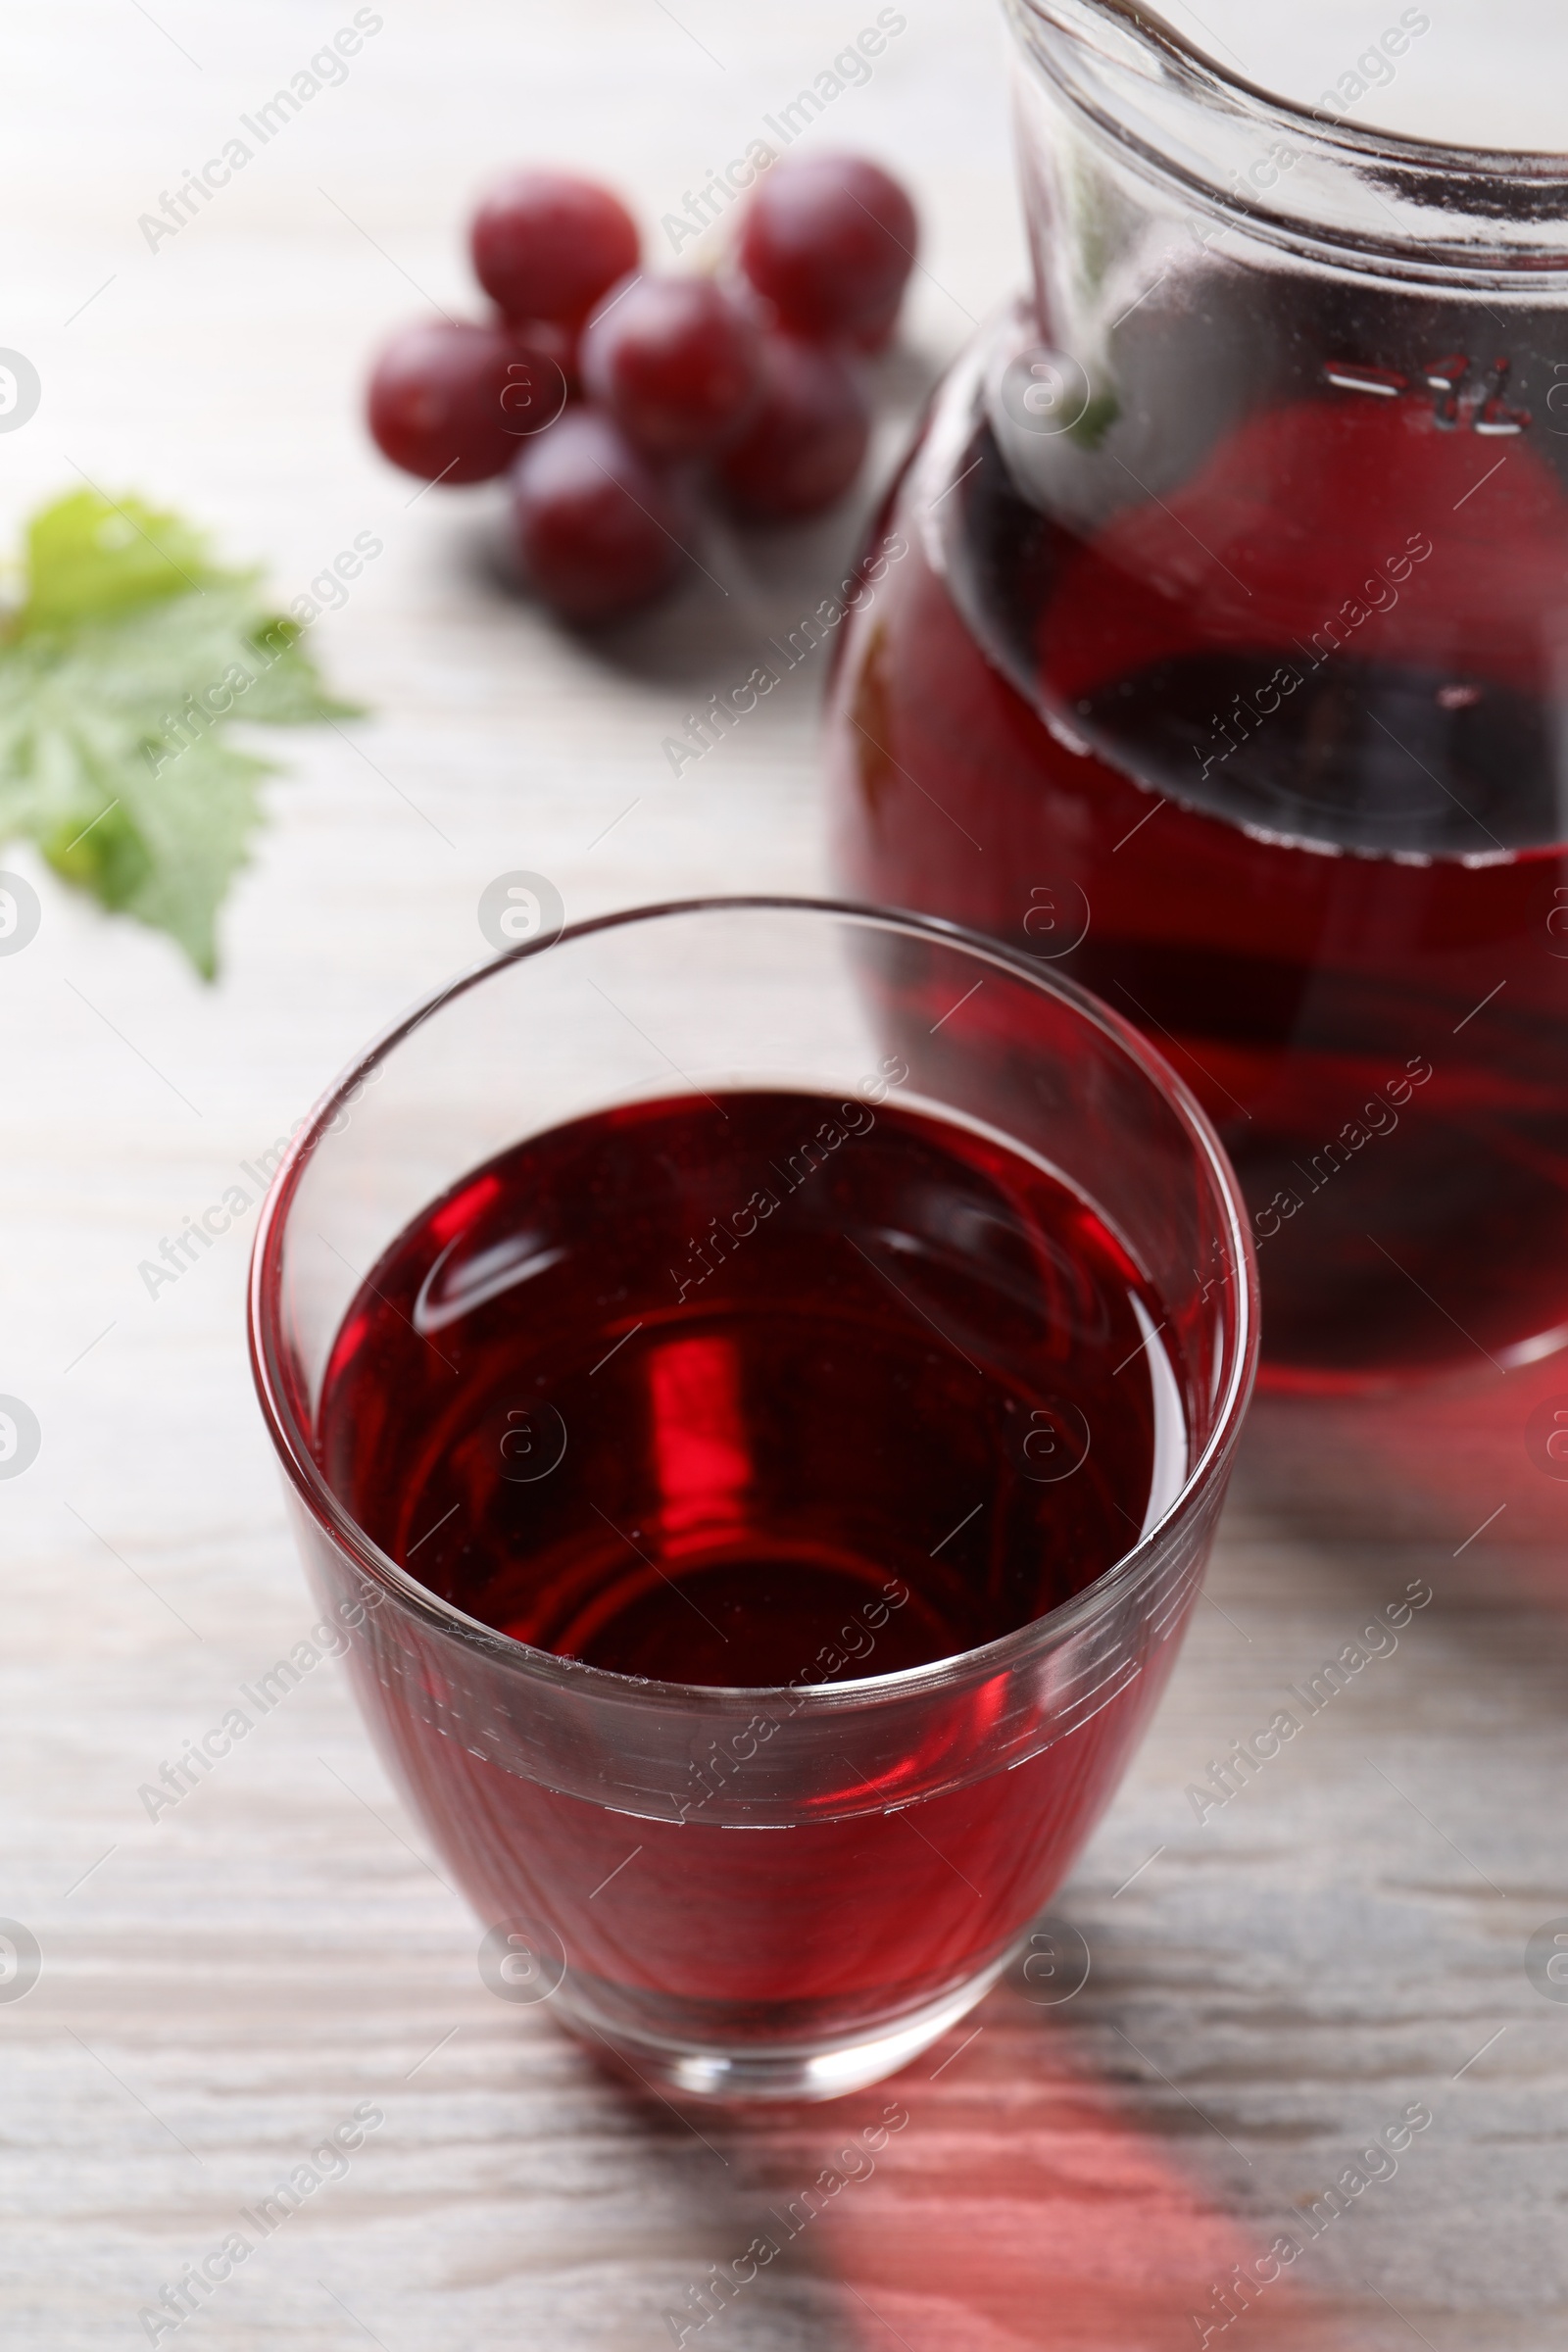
221 1988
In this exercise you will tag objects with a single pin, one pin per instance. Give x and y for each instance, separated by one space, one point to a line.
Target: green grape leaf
127 660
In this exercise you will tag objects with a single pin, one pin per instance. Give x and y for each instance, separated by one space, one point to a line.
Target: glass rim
1009 1651
1476 186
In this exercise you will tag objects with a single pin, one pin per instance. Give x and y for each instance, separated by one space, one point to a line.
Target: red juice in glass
842 1429
767 1510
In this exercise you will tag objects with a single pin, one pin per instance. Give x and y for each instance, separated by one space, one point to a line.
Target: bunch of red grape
610 396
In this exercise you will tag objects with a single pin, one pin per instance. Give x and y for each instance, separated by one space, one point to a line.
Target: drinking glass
775 1892
1215 640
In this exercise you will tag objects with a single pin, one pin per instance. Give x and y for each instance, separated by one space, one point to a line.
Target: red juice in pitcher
1217 650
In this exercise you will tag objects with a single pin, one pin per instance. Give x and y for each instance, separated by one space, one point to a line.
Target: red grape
449 402
804 442
553 340
597 531
830 240
875 334
675 360
547 244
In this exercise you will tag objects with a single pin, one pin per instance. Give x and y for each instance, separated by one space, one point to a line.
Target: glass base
774 2071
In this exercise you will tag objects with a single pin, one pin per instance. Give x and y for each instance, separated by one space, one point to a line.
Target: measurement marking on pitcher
1386 382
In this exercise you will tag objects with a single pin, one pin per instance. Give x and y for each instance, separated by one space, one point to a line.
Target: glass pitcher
1213 643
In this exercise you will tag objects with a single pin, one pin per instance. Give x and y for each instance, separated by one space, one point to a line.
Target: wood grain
221 1986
